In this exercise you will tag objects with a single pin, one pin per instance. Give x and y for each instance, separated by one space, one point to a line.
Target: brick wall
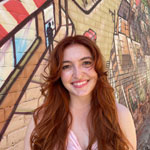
120 28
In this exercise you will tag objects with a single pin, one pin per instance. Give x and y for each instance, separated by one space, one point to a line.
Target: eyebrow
88 57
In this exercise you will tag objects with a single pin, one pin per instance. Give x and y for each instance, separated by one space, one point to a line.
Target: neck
80 103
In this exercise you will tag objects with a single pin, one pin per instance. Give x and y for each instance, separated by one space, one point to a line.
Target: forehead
76 51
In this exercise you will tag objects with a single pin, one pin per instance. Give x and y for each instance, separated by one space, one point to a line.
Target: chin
82 94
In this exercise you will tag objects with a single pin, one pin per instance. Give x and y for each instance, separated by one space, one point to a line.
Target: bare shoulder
126 124
30 128
124 116
122 110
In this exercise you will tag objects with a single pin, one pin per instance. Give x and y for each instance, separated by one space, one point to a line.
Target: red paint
138 2
90 34
39 3
3 32
17 10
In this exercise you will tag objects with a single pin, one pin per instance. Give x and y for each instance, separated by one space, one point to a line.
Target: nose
77 72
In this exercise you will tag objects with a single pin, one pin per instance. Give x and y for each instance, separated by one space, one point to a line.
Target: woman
79 111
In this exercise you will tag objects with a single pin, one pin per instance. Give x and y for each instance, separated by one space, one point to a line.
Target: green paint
145 2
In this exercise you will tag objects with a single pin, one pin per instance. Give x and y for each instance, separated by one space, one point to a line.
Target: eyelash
66 67
87 63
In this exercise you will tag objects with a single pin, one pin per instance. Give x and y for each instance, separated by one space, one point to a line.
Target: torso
73 143
82 136
80 129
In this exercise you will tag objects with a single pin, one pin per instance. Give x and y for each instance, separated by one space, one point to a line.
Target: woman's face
78 74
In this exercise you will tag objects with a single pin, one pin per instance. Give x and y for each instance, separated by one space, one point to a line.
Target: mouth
80 84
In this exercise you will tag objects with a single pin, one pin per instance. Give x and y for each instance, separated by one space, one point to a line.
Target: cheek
91 72
66 76
94 75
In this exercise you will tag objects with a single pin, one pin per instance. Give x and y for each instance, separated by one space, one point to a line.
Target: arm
127 125
28 134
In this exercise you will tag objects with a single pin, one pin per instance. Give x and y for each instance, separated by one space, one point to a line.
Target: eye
87 63
66 67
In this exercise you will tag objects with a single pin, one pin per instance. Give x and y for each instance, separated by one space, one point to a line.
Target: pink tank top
73 143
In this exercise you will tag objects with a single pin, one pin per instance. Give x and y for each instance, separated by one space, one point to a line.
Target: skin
79 78
78 74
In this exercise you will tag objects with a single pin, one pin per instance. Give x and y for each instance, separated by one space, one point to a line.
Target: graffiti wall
29 30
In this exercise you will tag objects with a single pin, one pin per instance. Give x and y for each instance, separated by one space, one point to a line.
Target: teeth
80 83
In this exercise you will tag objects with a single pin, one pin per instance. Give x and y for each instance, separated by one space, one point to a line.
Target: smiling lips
79 84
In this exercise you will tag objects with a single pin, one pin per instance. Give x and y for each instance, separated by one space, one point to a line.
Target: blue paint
21 48
47 43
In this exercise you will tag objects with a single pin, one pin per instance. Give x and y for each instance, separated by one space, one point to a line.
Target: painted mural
29 30
24 45
86 6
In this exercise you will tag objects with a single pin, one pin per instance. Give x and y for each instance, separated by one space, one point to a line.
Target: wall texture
30 29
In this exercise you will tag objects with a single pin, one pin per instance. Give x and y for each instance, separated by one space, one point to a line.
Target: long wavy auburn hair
52 117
